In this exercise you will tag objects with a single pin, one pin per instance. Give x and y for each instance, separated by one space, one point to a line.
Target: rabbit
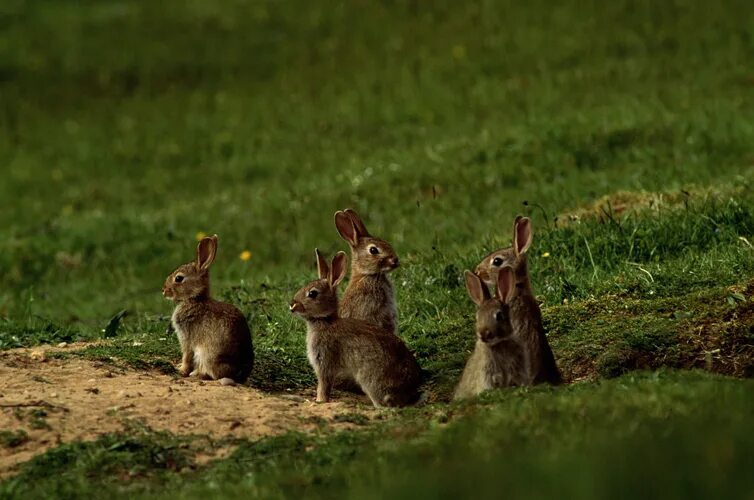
214 336
369 295
526 316
350 348
498 359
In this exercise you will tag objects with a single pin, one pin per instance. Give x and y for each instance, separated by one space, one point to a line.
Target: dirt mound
54 401
616 205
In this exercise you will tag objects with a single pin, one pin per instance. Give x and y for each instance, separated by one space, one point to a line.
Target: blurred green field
128 127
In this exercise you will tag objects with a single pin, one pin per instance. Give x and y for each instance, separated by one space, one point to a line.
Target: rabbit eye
497 261
374 250
312 294
499 316
178 278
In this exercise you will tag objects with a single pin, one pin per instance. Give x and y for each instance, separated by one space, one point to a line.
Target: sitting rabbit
214 336
498 359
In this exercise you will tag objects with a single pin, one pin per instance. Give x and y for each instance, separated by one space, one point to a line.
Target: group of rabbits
353 343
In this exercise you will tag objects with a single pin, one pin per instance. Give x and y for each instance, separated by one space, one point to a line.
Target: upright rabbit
347 348
214 336
526 316
369 295
498 359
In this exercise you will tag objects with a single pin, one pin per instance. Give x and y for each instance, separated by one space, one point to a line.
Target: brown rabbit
498 359
369 295
347 348
214 336
526 316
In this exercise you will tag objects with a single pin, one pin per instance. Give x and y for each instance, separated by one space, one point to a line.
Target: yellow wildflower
546 254
245 255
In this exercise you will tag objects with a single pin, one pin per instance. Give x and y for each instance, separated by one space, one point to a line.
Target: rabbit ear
346 228
477 290
361 229
338 269
206 251
506 284
522 235
322 269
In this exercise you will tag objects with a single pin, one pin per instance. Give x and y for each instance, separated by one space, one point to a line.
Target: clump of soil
63 400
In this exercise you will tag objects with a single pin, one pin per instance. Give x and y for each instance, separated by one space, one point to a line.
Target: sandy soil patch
76 399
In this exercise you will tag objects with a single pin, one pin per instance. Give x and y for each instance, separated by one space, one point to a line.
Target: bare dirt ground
57 401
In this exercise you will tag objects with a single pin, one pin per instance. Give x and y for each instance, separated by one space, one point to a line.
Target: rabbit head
191 281
514 256
370 255
493 313
319 299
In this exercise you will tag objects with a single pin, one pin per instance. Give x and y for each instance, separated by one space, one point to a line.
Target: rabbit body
370 297
526 319
492 367
378 361
215 340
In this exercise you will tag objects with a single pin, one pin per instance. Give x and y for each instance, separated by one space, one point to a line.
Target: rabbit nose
485 335
394 261
479 271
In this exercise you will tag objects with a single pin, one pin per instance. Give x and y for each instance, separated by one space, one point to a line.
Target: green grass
12 439
128 127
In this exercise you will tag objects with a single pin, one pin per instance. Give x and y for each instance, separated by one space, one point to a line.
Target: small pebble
37 356
63 344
